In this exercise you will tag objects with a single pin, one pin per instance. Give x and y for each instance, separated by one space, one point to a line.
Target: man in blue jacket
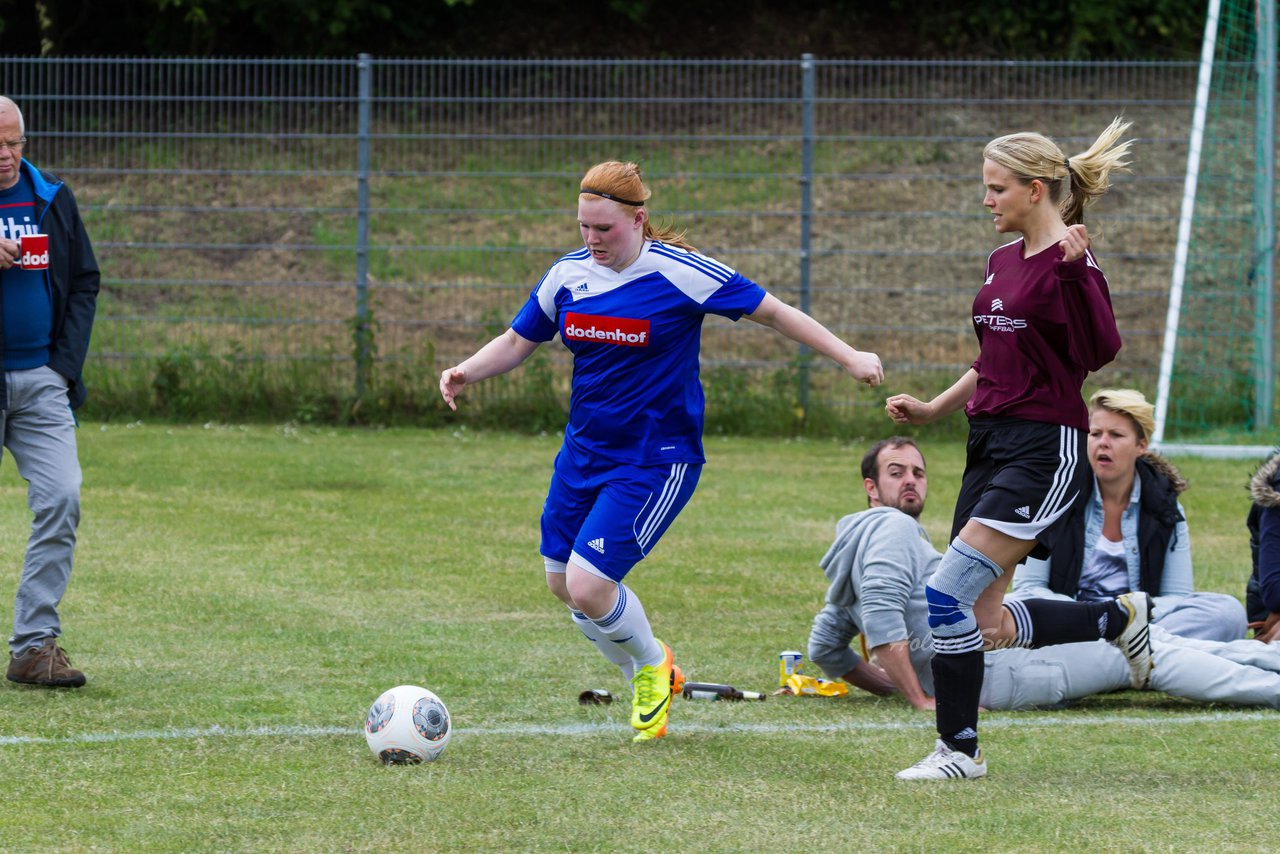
47 305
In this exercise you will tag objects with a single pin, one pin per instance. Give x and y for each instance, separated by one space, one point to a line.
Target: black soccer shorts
1021 477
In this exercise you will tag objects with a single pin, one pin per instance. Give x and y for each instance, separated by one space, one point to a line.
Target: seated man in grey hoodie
877 568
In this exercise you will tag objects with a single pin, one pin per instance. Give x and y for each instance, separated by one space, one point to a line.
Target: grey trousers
1242 672
40 432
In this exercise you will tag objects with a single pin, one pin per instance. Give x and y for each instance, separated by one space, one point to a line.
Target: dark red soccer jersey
1043 325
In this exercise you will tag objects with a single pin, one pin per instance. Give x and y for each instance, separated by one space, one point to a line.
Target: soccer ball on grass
407 725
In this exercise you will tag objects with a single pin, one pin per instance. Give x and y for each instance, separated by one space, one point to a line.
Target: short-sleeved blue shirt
635 336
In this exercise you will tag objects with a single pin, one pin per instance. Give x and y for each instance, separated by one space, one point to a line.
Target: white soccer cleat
946 764
1135 640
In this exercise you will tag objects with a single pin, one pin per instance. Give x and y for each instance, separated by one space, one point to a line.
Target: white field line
579 729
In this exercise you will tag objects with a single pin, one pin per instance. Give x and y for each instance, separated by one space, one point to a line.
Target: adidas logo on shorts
1024 512
597 544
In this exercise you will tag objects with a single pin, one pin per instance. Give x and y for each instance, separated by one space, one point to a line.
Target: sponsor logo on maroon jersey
999 322
627 331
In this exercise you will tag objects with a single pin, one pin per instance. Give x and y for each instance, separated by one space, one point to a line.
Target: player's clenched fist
866 367
1075 243
905 409
451 382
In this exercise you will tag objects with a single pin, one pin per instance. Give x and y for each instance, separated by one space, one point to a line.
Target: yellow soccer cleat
651 702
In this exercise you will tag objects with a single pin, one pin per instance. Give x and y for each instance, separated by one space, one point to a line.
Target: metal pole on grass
1264 222
361 330
806 213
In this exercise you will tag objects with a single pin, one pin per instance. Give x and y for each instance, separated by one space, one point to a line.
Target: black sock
957 687
1054 621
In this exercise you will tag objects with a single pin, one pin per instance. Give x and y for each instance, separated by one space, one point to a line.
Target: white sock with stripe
627 626
607 648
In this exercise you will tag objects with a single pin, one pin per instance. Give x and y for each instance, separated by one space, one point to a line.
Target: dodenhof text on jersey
626 331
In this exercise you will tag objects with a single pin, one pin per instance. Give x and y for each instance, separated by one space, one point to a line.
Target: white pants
1242 672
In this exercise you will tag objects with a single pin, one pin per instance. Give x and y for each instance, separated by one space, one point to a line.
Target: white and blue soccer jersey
635 336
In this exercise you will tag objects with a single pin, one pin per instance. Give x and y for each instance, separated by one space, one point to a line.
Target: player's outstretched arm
905 409
500 355
803 329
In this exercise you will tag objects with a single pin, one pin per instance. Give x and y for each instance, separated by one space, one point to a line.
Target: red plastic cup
35 252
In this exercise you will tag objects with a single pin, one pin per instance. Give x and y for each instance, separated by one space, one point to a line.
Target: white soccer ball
407 725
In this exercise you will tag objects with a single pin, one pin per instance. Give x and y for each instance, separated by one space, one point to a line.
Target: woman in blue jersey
629 306
1043 319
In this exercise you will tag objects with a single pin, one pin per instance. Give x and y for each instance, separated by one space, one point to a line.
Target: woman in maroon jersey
1044 321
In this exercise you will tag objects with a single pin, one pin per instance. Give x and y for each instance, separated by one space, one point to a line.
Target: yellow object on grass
809 686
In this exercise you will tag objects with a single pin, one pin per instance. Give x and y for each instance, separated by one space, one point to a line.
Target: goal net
1217 384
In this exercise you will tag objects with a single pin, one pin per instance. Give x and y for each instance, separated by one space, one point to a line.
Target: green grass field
242 594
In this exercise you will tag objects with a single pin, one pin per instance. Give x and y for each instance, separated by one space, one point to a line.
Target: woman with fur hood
1263 593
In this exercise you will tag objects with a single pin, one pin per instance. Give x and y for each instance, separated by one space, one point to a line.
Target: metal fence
362 217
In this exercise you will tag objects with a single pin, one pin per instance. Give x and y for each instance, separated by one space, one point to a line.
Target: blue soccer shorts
606 517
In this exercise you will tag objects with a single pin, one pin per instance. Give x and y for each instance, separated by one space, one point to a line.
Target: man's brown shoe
45 665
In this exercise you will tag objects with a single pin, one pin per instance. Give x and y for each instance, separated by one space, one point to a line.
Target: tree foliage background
1050 29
